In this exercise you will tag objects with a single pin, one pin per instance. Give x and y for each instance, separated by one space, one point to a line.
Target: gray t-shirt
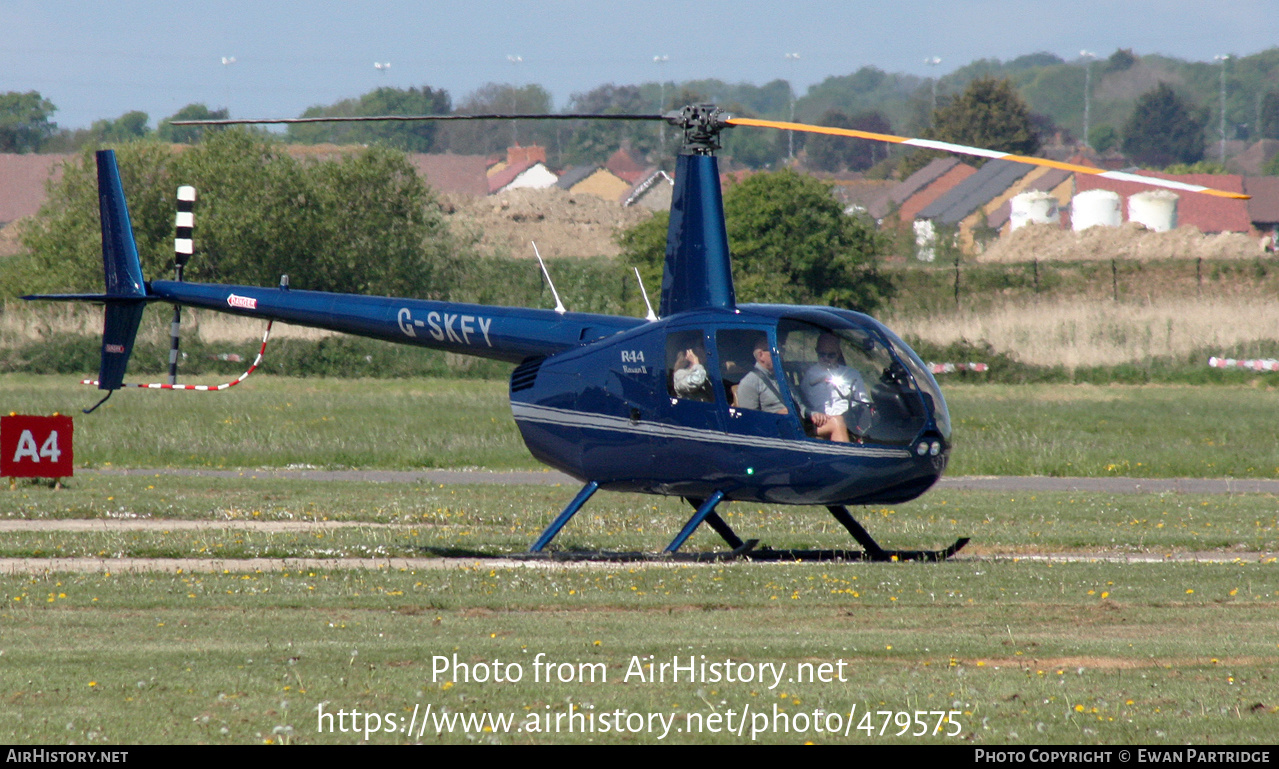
758 391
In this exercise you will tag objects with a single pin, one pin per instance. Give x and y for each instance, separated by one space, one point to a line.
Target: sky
97 60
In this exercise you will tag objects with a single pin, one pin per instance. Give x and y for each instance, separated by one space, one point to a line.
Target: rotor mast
697 272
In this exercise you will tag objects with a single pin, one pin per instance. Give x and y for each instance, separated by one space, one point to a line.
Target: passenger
689 379
758 389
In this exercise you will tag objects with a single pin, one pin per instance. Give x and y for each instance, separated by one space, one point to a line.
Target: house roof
22 183
1207 212
463 174
922 178
508 174
622 164
574 175
531 173
909 208
1263 208
990 180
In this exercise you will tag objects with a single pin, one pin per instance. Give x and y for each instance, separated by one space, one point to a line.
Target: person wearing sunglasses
831 388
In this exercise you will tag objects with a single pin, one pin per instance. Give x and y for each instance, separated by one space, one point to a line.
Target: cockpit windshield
852 373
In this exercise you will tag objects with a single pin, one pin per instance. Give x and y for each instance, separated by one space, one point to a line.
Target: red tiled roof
940 185
453 173
1207 212
625 166
922 178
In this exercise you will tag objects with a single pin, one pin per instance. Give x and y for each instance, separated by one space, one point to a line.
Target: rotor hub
701 124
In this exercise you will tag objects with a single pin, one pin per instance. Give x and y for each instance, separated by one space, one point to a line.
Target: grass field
1000 647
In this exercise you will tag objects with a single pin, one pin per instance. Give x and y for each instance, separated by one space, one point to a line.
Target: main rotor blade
984 153
407 118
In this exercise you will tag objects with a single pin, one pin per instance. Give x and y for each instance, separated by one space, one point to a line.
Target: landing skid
740 549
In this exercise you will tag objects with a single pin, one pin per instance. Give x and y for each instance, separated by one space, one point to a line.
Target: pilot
689 379
831 387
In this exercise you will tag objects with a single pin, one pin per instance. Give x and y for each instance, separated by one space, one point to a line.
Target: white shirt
833 390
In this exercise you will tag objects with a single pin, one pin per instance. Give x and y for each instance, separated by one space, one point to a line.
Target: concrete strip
554 478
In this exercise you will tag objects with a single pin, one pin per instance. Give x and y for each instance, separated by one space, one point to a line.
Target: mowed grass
1022 652
1059 430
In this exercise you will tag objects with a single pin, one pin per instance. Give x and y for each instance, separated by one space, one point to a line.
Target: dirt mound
1129 241
561 223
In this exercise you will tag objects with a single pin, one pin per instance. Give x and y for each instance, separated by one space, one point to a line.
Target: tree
791 242
1164 129
592 141
365 223
410 137
1102 137
836 153
24 121
130 126
988 114
193 133
483 137
1270 116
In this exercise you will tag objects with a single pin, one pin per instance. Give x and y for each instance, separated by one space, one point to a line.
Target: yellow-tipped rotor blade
979 152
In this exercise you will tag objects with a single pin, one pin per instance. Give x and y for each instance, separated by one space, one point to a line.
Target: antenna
559 306
652 316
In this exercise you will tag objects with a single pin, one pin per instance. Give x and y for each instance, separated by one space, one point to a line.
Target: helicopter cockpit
842 365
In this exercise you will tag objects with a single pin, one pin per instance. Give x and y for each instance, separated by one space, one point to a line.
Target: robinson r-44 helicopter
658 405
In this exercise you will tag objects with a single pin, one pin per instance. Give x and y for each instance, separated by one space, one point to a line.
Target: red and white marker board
35 447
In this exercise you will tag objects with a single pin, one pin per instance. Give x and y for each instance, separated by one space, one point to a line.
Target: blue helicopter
707 399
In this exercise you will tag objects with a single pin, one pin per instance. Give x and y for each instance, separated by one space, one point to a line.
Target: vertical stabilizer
698 273
119 250
125 294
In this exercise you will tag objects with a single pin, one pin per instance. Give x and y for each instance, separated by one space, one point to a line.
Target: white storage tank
1034 207
1154 209
1093 208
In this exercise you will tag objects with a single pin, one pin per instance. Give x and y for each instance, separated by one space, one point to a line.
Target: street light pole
661 91
790 135
515 61
1223 58
933 61
1087 56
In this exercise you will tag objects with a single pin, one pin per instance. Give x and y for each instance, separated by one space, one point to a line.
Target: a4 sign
35 447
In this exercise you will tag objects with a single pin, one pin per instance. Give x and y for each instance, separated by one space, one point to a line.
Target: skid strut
704 511
564 517
873 552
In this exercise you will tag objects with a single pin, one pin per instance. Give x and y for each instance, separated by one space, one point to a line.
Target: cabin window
849 374
745 359
688 367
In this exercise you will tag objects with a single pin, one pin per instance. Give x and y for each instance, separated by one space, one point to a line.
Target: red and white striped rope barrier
1252 364
203 388
950 368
